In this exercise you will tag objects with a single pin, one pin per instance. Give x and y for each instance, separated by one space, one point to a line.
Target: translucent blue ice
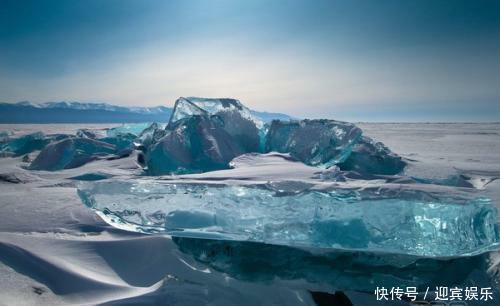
225 105
184 108
132 128
124 137
422 220
70 153
91 133
4 136
193 144
25 144
233 117
122 142
321 143
149 135
29 143
371 157
202 135
330 188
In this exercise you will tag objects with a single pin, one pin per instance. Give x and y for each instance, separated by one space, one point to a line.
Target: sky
379 60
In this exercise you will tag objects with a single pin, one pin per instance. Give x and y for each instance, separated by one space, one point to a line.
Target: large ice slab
272 199
415 221
321 143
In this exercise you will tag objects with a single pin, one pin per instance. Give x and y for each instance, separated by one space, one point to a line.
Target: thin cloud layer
351 60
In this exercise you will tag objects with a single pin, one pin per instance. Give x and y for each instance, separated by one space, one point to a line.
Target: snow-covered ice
56 251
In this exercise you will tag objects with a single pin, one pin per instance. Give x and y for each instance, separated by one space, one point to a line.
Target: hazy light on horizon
351 60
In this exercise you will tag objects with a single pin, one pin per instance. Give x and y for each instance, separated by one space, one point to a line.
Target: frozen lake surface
55 251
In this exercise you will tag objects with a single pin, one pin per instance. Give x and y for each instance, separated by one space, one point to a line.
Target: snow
55 251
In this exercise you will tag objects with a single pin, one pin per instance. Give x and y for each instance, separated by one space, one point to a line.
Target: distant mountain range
78 112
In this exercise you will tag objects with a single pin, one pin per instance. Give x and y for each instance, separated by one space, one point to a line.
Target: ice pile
61 151
311 183
123 137
217 171
70 153
206 134
27 143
